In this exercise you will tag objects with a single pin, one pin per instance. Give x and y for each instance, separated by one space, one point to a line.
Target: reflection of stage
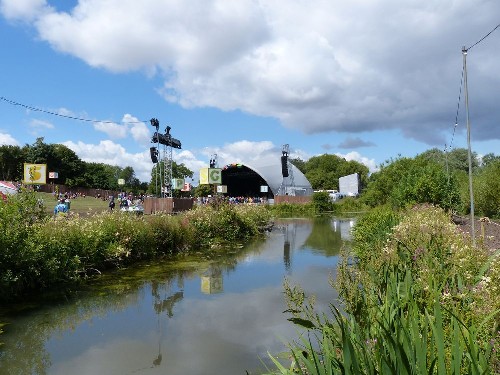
211 283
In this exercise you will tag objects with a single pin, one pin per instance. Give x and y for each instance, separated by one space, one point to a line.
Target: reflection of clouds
344 226
118 356
296 231
223 335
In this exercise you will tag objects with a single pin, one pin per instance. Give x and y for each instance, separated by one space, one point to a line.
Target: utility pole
472 225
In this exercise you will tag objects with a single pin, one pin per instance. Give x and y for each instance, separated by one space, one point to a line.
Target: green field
80 205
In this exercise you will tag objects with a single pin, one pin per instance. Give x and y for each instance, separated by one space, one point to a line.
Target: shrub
419 300
322 202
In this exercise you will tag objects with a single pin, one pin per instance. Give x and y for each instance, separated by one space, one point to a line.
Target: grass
80 205
416 298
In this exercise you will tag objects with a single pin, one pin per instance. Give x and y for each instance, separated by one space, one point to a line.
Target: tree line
434 176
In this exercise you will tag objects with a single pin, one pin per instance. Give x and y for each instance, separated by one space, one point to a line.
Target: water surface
198 314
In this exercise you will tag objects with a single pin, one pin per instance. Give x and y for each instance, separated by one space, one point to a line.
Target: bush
38 251
322 202
419 300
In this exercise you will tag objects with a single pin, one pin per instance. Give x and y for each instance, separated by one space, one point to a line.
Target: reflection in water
156 319
211 281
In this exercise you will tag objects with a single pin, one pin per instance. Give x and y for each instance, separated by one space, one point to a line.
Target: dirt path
486 230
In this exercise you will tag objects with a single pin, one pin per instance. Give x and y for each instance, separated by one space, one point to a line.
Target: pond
198 314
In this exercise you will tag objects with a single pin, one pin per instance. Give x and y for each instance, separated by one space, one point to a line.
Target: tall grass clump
37 251
423 301
285 210
224 222
18 213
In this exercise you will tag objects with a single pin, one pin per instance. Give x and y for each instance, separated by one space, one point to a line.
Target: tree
487 190
11 163
455 160
489 159
406 181
299 163
157 175
101 176
65 161
324 171
203 190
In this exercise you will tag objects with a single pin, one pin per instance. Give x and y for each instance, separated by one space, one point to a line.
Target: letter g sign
215 176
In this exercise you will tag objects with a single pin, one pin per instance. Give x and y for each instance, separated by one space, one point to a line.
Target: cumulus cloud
241 151
27 10
112 129
111 153
130 127
317 66
356 156
7 140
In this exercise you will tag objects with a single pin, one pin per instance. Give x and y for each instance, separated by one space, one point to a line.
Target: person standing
111 203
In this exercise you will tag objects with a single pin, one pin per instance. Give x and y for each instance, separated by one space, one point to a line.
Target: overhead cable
484 37
12 102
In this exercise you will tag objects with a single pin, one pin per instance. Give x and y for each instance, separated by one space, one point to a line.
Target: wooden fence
167 205
303 199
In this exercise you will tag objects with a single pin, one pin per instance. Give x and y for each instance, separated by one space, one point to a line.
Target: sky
365 80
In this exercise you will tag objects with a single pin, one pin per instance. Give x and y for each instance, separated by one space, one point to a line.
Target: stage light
166 139
284 166
154 154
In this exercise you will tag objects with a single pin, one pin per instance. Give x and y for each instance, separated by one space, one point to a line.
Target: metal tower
288 182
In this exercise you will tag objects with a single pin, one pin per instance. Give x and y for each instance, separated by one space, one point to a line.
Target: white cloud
139 130
240 151
7 139
27 10
111 153
317 66
356 156
130 126
113 130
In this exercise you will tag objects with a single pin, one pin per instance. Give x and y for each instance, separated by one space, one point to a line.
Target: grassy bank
38 250
417 299
321 204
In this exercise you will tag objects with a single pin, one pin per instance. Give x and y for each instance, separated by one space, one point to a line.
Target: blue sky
365 80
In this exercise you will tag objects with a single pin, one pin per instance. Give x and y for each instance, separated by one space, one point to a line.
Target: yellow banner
210 176
35 174
204 176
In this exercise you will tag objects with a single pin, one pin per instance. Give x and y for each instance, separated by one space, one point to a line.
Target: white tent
7 188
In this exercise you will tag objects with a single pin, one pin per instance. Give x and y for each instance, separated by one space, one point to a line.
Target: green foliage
225 222
11 163
322 202
382 183
405 182
372 231
299 163
487 190
418 300
324 171
37 251
350 205
454 160
17 218
203 190
291 210
157 174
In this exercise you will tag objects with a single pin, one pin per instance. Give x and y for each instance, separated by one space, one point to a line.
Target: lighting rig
168 142
214 162
286 172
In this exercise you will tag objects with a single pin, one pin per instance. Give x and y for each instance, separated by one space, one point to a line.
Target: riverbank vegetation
416 298
38 251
